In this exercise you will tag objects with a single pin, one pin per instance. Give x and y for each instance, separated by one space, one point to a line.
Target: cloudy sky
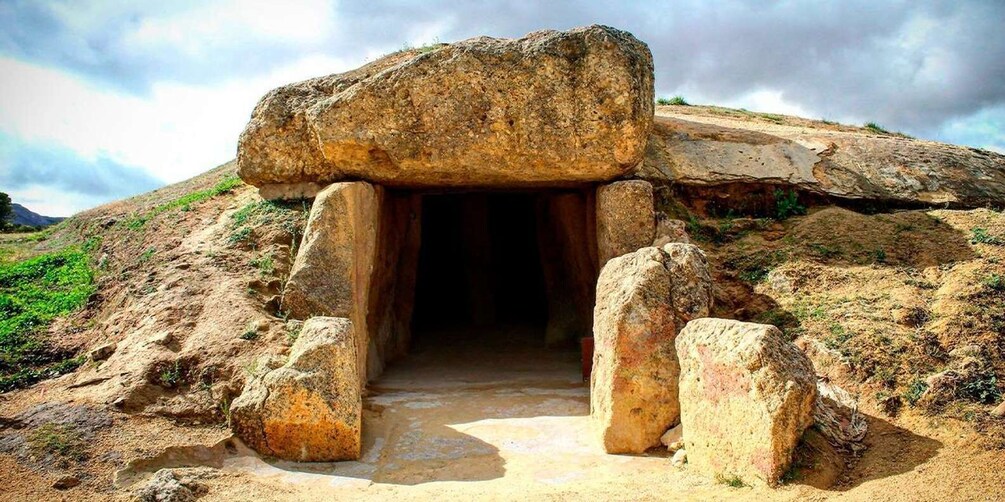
100 100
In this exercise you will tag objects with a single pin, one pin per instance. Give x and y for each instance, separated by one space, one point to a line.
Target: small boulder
640 299
679 458
999 411
746 397
308 410
672 435
165 486
836 416
670 230
102 352
66 482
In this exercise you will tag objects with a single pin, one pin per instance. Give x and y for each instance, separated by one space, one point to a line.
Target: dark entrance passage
480 271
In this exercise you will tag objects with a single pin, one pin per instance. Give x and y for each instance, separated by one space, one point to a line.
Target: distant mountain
25 216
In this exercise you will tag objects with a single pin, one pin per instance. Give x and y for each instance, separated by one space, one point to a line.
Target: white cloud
176 132
52 201
212 24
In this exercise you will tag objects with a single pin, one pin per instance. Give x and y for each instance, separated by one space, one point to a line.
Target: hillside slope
27 217
185 306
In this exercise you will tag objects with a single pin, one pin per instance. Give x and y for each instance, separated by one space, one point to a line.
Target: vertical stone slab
746 397
626 218
633 388
478 259
332 272
392 291
643 299
569 265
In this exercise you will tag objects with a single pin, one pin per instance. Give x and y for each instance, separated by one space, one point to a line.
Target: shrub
995 282
250 334
240 235
675 101
730 480
787 204
265 264
171 376
981 388
980 235
875 128
915 390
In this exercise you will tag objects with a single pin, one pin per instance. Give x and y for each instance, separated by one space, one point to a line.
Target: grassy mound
33 293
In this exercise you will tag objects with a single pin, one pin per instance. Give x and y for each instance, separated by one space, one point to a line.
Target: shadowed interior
500 266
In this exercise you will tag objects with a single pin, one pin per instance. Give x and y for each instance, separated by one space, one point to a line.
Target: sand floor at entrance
499 417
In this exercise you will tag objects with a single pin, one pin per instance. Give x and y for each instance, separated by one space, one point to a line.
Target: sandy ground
507 421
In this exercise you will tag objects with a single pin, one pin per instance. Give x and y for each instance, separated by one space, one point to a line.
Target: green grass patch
58 439
676 101
875 128
265 264
778 119
290 215
146 255
33 293
185 202
979 235
730 480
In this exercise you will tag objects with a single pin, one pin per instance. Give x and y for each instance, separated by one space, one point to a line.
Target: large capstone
550 108
746 397
643 299
310 409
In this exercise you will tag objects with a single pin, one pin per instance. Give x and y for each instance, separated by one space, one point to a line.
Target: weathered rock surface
308 410
746 396
166 486
836 416
673 438
634 384
626 218
333 269
708 147
999 411
102 352
690 283
551 107
670 230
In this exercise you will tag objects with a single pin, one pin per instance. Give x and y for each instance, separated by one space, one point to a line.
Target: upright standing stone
626 219
332 271
641 304
746 397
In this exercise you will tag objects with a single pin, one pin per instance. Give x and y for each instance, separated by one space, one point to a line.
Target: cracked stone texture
626 218
549 108
758 386
710 147
308 410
